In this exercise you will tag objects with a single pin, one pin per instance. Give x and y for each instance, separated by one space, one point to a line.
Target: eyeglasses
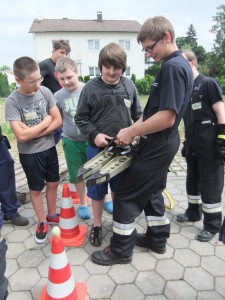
33 83
149 49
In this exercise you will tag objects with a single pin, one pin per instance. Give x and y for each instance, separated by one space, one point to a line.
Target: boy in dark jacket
106 105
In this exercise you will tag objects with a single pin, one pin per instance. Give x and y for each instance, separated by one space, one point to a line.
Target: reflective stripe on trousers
157 221
211 208
123 229
194 199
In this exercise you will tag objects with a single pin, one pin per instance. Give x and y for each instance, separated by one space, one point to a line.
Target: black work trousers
3 279
205 177
141 180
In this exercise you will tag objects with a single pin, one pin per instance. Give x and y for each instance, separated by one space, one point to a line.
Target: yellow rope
170 200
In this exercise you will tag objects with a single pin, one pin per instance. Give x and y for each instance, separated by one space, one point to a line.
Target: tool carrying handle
122 150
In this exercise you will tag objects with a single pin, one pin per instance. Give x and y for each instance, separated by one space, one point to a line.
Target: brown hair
62 44
114 55
155 29
24 65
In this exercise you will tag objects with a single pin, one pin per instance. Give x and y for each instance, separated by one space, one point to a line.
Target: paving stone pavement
188 270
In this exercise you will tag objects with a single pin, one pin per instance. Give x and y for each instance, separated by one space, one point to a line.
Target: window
125 44
127 72
94 71
93 45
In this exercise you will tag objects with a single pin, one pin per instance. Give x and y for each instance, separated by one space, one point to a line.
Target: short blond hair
189 55
65 63
155 29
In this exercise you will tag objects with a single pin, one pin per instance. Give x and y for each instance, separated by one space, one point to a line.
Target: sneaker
108 206
54 220
41 233
84 212
18 220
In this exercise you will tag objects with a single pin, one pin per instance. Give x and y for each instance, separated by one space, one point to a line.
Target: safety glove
183 149
220 143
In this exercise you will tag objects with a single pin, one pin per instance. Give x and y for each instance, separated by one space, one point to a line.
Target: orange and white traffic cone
74 195
60 283
72 233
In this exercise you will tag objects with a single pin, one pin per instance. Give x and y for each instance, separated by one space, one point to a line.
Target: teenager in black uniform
159 142
60 49
205 152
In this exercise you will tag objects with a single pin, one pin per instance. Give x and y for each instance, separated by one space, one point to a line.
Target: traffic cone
60 283
74 195
72 233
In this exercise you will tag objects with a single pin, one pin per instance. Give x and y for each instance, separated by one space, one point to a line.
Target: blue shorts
40 167
98 192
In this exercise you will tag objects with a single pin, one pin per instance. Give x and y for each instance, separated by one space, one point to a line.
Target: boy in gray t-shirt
33 116
74 144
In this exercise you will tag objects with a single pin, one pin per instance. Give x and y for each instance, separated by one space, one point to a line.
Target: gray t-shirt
67 103
31 110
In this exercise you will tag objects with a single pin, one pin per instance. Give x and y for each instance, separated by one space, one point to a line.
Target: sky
17 17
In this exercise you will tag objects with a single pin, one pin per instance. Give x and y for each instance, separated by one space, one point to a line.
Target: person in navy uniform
159 142
204 150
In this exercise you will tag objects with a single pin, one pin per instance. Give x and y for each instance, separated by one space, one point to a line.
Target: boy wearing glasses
159 142
33 115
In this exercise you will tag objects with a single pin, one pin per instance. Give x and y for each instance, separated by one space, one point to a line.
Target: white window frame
128 72
126 44
93 45
95 71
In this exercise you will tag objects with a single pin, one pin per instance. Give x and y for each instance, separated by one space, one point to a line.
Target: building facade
86 38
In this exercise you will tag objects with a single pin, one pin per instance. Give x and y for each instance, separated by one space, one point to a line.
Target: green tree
219 30
4 85
189 41
219 43
191 36
4 68
133 78
200 54
153 69
86 78
181 42
12 86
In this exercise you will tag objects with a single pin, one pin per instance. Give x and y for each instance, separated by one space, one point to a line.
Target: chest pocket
201 109
196 105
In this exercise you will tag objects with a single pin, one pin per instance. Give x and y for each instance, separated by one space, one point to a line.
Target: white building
86 38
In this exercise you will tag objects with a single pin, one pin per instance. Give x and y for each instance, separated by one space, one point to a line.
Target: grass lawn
2 101
6 129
